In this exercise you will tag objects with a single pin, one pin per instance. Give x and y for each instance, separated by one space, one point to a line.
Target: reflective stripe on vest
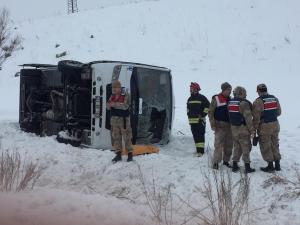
270 104
194 102
118 112
233 106
221 100
270 108
221 111
235 116
121 98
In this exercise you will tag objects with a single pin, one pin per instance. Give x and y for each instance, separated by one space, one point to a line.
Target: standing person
119 103
219 122
240 116
266 109
197 109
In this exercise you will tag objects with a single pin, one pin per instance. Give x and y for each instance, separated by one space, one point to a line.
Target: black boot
216 166
248 169
200 152
270 168
277 165
129 159
235 167
227 164
117 158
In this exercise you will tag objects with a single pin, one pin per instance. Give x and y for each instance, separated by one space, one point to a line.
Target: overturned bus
69 100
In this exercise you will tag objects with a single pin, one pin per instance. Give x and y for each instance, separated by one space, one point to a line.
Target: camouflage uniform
223 136
241 135
268 130
240 116
121 126
119 131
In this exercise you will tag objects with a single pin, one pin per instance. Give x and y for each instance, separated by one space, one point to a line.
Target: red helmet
195 86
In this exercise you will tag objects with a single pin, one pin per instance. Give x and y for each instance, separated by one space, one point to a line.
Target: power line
72 6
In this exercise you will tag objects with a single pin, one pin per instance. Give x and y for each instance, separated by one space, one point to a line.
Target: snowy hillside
210 42
36 9
242 42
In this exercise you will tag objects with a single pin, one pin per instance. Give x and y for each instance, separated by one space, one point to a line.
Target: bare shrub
226 201
122 193
15 174
274 180
159 200
8 43
292 186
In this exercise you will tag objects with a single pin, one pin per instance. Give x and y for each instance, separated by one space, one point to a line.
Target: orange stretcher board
142 149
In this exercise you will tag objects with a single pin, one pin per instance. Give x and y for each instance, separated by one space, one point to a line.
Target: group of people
236 122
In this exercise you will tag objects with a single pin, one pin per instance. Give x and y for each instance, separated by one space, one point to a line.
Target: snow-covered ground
243 42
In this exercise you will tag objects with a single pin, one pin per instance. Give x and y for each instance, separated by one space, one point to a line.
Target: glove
255 141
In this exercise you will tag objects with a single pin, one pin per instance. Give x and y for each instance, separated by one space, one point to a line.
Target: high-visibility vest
221 112
270 108
118 112
235 117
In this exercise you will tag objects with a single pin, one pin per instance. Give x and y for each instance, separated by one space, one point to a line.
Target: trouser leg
237 149
246 148
266 147
201 144
228 146
220 136
275 146
111 138
127 136
198 131
117 138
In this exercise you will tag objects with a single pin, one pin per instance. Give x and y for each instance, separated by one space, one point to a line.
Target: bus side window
107 117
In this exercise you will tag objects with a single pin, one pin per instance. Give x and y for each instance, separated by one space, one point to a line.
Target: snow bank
90 173
54 207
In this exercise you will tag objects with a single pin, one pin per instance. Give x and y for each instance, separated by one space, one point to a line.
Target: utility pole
72 6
